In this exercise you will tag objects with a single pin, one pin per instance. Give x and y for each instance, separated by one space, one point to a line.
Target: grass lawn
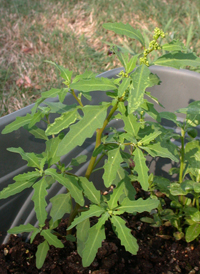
70 33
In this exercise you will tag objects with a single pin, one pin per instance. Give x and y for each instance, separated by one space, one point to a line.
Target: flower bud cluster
153 45
123 74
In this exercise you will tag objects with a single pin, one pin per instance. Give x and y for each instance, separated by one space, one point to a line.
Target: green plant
124 153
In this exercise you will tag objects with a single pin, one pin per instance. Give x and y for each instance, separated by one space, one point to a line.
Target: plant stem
99 132
78 100
182 151
72 216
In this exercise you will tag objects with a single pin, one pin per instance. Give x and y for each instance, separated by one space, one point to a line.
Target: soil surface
159 252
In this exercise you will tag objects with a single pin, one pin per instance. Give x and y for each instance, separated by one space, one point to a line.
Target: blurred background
70 33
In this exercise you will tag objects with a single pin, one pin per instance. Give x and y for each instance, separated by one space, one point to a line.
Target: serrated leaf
22 228
94 241
62 122
41 254
52 93
36 117
132 126
137 90
151 137
94 210
89 190
139 205
38 133
124 234
15 188
33 234
61 204
125 29
114 197
111 166
82 235
141 168
94 84
174 45
101 221
150 110
70 182
94 117
152 80
192 232
123 86
51 239
31 158
156 150
19 122
178 60
40 203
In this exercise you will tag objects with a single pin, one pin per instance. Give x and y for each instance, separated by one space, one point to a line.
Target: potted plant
124 127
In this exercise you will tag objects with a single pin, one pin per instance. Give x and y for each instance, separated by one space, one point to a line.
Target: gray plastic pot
178 88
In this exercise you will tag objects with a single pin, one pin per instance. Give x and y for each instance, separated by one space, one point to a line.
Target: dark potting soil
158 252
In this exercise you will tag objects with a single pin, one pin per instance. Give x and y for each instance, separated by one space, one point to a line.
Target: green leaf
101 221
90 191
15 188
51 239
141 168
94 241
150 110
139 205
132 126
178 60
64 72
52 93
40 203
62 122
94 117
94 84
174 45
38 133
122 56
170 116
33 175
131 64
78 160
51 149
19 122
176 189
129 189
114 197
156 150
192 232
137 90
61 204
58 107
41 254
151 137
36 117
124 234
82 230
94 210
125 29
121 173
111 166
86 75
70 182
123 86
22 228
31 158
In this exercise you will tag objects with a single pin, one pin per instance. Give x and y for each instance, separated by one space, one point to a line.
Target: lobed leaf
111 166
137 90
41 254
22 228
141 168
90 191
51 149
94 241
151 137
94 117
124 234
94 210
19 122
40 203
51 239
139 205
61 204
174 45
125 29
70 182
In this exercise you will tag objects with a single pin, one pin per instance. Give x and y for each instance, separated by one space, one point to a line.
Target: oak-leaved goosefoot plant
124 152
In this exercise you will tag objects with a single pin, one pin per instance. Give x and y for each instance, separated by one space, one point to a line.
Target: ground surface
156 254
